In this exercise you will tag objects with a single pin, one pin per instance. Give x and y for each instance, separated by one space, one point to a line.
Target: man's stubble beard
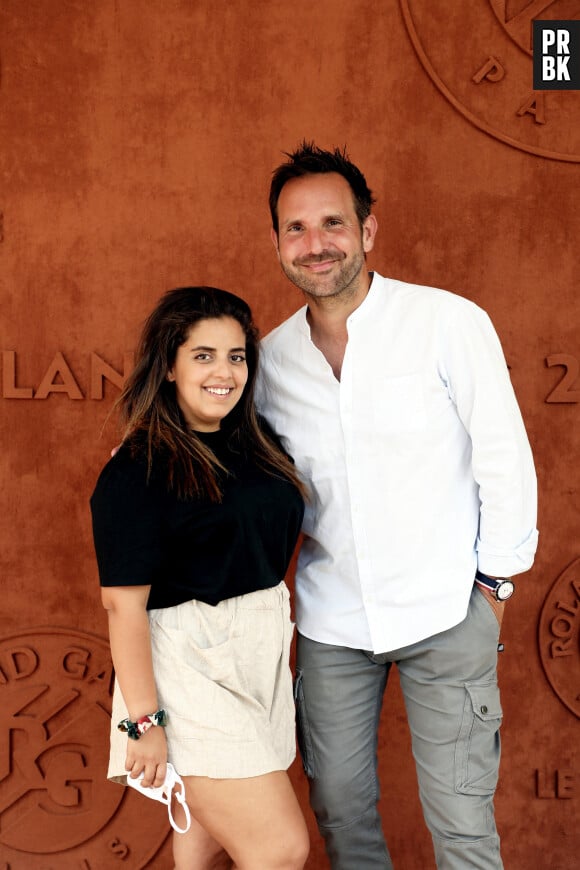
341 286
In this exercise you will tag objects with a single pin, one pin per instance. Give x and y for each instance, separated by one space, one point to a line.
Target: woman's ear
170 376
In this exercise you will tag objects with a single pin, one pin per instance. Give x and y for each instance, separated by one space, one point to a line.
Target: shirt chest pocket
400 405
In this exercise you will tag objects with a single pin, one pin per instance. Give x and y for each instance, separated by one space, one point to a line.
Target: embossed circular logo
559 637
479 55
56 807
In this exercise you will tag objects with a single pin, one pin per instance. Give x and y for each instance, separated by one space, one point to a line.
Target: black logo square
556 55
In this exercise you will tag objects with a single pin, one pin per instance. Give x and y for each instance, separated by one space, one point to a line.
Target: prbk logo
557 55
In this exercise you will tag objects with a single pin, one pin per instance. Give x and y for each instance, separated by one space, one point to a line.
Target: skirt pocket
199 686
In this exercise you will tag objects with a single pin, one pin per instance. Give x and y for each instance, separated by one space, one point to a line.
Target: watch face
505 590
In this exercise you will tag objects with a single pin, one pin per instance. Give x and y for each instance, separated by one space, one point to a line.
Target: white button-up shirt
417 464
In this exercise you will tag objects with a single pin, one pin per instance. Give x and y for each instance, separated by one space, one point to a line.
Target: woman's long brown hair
151 415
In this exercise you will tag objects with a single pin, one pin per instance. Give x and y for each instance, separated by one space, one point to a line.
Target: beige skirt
223 676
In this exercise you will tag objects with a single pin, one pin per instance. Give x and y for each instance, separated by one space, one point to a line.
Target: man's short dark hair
309 159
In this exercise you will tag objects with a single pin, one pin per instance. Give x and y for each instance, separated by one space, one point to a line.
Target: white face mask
163 793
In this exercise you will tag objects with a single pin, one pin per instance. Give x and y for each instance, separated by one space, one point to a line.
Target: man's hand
498 607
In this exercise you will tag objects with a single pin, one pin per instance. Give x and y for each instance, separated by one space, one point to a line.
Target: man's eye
334 223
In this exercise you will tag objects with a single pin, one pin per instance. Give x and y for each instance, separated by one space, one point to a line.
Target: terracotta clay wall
136 142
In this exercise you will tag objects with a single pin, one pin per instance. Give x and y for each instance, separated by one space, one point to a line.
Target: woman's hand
132 658
148 755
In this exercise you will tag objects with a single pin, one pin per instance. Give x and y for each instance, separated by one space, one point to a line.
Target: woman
195 520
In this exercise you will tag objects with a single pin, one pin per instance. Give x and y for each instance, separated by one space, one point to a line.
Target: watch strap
494 584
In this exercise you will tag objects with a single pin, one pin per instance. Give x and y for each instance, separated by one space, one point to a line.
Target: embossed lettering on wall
559 637
482 64
60 378
55 802
567 390
557 784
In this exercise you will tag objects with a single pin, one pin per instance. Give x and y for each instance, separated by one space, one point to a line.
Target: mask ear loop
164 793
179 795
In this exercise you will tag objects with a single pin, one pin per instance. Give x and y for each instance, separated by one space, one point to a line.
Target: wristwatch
501 588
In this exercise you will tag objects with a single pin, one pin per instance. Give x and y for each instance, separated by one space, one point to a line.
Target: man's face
320 242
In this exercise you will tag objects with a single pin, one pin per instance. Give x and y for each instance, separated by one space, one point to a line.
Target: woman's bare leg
196 849
256 820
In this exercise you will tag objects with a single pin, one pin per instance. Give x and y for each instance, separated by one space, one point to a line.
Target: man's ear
369 231
274 237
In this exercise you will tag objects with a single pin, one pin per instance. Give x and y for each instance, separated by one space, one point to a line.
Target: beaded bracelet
134 730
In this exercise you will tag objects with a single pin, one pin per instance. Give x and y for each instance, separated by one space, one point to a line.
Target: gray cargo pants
449 684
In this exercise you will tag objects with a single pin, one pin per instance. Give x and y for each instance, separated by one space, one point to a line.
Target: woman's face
210 372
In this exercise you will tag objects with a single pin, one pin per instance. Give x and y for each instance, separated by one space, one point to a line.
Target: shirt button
484 709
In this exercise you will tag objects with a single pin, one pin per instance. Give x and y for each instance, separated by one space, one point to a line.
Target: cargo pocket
302 728
478 746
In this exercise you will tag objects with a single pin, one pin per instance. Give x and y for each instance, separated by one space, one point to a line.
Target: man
396 404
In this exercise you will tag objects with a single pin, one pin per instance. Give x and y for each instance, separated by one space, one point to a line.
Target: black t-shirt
194 549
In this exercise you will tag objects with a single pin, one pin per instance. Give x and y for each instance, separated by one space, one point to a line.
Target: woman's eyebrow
205 347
